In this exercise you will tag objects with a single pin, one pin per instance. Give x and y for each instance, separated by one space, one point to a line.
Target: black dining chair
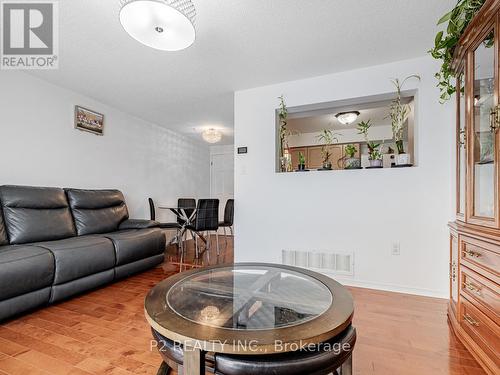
228 218
206 220
173 225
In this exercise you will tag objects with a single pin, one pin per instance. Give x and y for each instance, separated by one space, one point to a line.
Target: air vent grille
336 263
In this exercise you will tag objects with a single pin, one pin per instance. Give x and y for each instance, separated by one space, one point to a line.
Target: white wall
364 211
39 146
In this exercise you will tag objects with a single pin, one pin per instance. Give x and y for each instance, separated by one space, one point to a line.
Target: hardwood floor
104 332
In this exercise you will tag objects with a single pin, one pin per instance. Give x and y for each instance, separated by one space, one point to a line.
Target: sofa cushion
80 256
97 211
138 224
3 233
34 214
24 269
136 244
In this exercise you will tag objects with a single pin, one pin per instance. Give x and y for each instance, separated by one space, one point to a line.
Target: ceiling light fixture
166 25
212 135
347 118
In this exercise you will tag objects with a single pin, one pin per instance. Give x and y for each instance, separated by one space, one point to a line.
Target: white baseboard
391 287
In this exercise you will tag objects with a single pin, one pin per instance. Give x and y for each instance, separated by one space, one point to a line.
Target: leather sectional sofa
55 243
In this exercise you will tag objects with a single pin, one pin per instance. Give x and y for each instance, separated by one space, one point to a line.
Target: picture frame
88 120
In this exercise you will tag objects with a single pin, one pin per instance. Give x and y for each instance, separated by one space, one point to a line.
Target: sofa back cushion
3 232
97 211
33 214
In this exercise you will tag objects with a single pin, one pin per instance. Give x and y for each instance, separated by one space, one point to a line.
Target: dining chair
206 220
173 225
228 218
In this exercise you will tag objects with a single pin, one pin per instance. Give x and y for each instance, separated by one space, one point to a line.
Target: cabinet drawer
484 332
477 253
482 292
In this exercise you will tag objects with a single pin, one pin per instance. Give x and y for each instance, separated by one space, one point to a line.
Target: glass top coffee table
247 309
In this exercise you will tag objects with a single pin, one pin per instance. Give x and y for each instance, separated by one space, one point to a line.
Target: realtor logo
30 37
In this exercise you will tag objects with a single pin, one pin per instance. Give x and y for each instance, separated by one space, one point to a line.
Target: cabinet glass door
461 147
483 142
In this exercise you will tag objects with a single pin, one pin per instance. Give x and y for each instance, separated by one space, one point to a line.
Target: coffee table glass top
247 297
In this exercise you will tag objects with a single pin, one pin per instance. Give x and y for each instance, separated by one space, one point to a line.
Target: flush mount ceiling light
347 118
212 135
166 25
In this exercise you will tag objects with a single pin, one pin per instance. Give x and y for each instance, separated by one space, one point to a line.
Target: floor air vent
338 264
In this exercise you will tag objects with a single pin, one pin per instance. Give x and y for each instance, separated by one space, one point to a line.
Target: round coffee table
247 308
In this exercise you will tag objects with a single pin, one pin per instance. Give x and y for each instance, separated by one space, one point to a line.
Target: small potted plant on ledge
351 162
302 162
399 114
374 155
326 138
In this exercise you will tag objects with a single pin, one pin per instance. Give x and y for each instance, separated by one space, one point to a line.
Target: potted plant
374 155
302 162
351 162
326 138
399 113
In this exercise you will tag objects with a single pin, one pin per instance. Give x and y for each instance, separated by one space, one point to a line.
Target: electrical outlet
396 249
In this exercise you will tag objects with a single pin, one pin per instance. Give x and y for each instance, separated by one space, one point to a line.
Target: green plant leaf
439 38
445 18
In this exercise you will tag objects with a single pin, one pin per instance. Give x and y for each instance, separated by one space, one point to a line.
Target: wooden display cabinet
474 308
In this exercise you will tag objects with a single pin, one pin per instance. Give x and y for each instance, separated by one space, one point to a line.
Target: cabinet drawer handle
473 254
473 288
470 320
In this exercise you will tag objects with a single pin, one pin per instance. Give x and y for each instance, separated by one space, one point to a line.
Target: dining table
185 215
247 309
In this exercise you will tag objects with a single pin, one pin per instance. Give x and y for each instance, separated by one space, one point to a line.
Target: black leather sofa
55 243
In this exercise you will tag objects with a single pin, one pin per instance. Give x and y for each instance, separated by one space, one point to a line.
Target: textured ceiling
240 44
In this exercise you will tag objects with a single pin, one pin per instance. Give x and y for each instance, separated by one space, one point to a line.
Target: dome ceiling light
166 25
347 118
212 135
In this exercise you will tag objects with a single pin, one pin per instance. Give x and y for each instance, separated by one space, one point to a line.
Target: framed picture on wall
88 120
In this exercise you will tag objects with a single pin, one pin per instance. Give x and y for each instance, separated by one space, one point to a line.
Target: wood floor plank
14 366
48 363
104 332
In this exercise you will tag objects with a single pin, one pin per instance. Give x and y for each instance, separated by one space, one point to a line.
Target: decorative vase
327 165
352 163
376 163
301 167
403 159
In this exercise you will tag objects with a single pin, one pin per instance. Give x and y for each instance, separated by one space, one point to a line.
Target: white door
222 179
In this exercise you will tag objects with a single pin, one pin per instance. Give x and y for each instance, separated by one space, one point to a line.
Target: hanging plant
446 41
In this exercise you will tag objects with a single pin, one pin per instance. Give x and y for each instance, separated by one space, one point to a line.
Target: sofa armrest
138 224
